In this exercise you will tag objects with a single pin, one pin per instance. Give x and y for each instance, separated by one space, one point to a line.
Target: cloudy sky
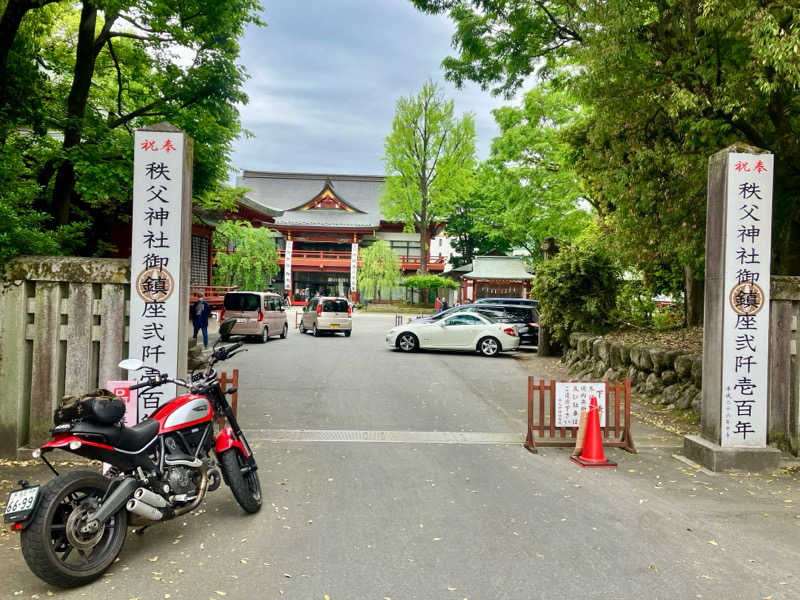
325 78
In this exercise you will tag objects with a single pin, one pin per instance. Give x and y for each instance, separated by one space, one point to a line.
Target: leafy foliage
577 289
465 226
80 77
380 269
662 85
246 256
428 282
429 159
528 187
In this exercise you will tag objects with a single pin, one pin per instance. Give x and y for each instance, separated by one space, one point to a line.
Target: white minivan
327 313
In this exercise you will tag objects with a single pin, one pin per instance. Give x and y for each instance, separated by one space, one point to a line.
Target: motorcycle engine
179 480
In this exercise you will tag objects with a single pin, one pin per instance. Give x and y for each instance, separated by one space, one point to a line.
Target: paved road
401 476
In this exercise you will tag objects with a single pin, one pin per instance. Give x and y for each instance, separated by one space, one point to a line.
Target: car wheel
264 335
489 346
285 331
407 342
314 330
347 333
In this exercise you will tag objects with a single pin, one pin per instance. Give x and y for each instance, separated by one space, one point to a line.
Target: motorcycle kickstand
140 530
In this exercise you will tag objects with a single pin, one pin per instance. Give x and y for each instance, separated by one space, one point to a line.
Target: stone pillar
160 257
735 330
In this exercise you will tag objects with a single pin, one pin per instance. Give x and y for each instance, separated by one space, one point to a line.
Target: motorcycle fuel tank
182 412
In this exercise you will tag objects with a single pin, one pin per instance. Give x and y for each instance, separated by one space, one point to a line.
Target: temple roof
316 200
498 267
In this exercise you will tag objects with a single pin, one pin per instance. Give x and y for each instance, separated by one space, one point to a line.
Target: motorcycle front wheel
54 545
242 479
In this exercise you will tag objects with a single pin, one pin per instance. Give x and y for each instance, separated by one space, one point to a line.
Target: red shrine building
321 222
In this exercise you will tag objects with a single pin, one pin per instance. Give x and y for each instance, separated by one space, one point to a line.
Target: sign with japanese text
745 331
122 389
353 266
287 266
574 397
157 311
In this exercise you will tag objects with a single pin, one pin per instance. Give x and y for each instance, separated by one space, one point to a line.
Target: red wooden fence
542 430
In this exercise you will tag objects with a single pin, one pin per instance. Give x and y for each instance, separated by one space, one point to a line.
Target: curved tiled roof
286 191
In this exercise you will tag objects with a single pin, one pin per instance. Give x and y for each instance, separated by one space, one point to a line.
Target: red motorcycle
73 527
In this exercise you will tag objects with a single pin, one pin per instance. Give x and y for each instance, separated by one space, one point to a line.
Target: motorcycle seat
130 439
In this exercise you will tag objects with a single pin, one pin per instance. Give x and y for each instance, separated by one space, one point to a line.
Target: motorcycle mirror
131 364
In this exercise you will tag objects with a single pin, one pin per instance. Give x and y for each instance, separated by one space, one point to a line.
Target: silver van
258 314
327 313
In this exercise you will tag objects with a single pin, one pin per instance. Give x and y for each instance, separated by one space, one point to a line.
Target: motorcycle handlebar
141 385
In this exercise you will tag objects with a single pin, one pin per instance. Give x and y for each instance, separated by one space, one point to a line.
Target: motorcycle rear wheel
54 547
246 487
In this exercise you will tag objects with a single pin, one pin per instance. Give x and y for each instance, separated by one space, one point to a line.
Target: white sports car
459 331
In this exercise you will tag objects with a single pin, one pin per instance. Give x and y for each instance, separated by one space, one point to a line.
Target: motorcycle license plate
334 326
21 503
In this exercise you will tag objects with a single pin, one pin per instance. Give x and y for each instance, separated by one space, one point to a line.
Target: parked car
258 314
462 330
512 301
525 318
327 313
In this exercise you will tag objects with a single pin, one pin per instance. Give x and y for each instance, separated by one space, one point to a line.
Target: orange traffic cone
592 455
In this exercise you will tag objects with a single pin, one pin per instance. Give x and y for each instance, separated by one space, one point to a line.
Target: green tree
465 226
78 78
529 188
246 256
380 269
663 86
429 159
428 281
577 288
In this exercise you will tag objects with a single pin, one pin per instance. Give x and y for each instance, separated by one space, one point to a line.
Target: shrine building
321 221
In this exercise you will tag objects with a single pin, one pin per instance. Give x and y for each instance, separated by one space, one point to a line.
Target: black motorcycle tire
246 488
40 540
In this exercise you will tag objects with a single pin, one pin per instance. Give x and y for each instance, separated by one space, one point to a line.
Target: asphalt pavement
402 476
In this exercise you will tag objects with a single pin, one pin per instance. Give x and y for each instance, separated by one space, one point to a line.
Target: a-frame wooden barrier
542 430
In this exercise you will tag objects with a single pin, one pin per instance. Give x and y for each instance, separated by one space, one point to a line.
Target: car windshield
339 305
241 302
446 313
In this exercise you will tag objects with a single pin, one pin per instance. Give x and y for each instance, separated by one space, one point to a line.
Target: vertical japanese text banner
287 266
353 266
156 261
748 235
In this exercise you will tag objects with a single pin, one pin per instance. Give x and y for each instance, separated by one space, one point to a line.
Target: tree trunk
9 25
76 109
423 250
549 249
694 297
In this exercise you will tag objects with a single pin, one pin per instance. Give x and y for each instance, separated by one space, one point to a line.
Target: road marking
396 437
412 437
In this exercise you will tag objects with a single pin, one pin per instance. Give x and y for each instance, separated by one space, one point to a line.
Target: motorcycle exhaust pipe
151 498
144 510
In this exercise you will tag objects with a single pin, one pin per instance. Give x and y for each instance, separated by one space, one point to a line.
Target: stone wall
668 376
63 331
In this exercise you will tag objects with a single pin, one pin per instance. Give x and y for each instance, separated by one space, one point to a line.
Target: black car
526 318
512 301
